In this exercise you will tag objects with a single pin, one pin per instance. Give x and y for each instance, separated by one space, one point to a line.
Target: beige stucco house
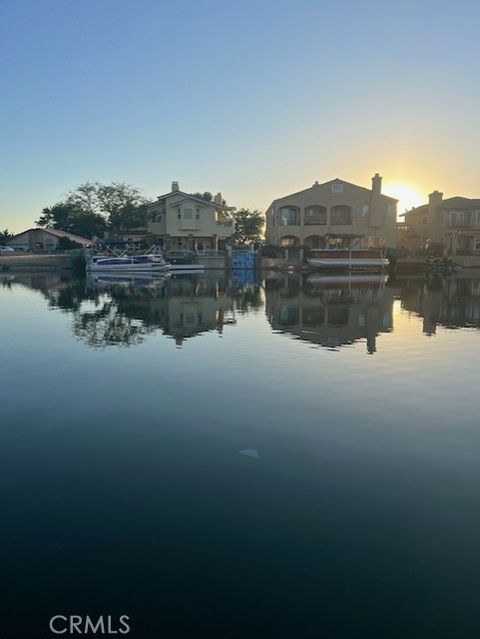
334 208
181 221
453 222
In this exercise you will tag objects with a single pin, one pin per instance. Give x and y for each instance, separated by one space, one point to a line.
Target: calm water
219 457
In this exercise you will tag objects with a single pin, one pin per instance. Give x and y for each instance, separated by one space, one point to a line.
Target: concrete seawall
37 262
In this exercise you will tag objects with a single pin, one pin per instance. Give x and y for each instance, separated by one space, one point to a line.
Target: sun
407 194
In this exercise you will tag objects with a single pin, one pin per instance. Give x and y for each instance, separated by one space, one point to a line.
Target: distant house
181 221
324 213
453 222
43 240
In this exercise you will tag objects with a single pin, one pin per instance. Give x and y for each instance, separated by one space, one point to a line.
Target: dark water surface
219 457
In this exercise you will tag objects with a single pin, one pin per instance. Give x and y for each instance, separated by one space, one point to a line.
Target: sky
256 99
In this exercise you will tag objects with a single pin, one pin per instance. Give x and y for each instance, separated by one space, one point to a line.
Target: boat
183 262
350 280
346 256
127 264
144 280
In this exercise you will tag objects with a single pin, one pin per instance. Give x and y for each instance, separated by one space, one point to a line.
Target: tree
58 216
5 235
207 196
71 217
248 225
122 204
65 244
93 207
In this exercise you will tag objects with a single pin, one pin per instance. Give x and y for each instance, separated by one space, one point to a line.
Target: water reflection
111 310
453 302
329 311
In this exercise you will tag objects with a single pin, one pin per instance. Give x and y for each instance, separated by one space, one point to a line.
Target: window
340 215
288 315
289 241
289 216
197 214
337 187
456 218
315 215
424 219
179 214
159 218
477 243
365 210
187 214
389 210
313 316
314 241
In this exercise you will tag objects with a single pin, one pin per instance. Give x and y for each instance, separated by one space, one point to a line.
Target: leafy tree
58 216
93 207
65 244
87 224
248 225
122 204
70 217
207 196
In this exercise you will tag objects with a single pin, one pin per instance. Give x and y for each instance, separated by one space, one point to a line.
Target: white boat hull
128 268
186 267
347 263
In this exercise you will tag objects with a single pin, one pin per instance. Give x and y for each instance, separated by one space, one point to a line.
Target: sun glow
408 195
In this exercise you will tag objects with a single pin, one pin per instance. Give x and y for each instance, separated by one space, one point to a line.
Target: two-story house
453 222
181 221
327 212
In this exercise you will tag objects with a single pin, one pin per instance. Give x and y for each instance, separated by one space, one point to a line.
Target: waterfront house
453 222
320 215
44 240
179 220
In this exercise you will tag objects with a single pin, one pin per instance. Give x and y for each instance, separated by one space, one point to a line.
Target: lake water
223 457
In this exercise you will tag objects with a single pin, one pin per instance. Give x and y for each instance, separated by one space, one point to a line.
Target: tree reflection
108 326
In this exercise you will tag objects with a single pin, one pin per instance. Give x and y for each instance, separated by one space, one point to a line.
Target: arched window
315 215
289 241
289 216
314 241
341 215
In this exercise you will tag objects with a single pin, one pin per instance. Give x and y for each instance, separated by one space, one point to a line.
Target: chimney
218 199
435 198
175 186
376 184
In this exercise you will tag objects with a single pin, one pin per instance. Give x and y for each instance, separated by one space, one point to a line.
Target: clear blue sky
254 99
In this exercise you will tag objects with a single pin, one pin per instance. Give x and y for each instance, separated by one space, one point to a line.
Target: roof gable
460 201
56 233
330 182
187 196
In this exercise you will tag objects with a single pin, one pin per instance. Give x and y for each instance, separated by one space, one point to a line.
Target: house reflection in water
452 302
330 311
182 307
191 306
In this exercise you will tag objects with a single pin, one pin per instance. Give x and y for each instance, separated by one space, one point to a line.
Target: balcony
191 224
